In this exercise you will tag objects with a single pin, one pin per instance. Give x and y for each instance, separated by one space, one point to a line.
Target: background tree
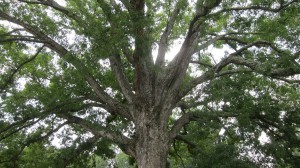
86 72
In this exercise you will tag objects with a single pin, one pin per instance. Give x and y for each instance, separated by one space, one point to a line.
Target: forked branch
176 69
163 43
97 130
254 66
17 69
69 57
53 4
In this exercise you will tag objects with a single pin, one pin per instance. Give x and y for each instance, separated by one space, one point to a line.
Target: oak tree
95 74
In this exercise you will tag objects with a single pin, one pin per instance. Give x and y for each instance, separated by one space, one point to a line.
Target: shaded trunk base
152 148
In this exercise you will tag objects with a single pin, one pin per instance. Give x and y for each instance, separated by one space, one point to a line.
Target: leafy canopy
85 73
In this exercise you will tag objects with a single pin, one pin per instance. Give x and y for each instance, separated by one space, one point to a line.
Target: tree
88 68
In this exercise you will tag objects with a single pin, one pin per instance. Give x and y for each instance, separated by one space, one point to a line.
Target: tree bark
152 143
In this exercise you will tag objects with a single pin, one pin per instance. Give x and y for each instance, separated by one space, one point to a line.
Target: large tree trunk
152 144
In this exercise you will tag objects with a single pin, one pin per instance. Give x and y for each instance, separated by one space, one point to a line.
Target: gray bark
152 142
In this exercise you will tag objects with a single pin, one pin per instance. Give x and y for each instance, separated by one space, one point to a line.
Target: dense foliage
178 83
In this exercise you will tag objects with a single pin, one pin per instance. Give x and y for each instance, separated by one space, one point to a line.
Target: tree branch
176 69
232 58
163 43
60 108
97 130
142 54
11 32
255 7
176 152
8 40
25 122
5 134
210 42
115 60
290 81
202 63
205 77
31 140
69 57
118 69
168 82
189 143
37 33
56 6
259 68
230 72
183 120
17 69
276 73
88 144
194 116
126 3
243 42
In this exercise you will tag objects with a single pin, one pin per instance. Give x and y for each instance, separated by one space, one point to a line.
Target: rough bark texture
151 147
151 140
